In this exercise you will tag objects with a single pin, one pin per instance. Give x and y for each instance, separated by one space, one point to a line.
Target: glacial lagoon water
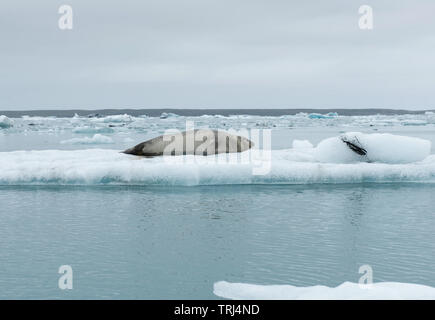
174 241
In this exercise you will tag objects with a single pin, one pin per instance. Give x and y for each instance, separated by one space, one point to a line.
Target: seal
195 142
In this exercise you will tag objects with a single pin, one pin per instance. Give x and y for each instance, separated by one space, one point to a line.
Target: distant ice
116 118
5 122
166 115
345 291
37 118
137 124
329 115
88 129
96 139
128 140
414 122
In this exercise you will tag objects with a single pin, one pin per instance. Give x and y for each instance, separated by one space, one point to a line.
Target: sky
217 54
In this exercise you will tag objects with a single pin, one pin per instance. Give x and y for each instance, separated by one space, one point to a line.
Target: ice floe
345 291
290 166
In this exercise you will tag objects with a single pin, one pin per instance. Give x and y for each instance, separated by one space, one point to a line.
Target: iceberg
166 115
5 122
117 118
345 291
380 147
329 115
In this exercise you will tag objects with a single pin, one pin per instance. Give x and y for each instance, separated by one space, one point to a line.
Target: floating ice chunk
329 115
166 115
118 118
302 144
345 291
316 116
380 147
414 122
88 130
5 122
96 139
36 118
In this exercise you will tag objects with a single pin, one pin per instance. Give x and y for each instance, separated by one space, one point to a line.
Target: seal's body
196 142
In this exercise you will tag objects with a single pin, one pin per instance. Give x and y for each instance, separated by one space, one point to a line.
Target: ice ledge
345 291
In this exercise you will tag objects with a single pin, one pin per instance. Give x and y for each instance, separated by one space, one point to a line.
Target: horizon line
155 112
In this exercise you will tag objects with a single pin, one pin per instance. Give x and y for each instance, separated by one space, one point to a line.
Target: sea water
136 239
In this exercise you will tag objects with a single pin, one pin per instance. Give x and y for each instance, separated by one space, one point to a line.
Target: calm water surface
163 242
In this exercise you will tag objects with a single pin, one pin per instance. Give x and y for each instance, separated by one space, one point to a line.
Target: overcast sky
217 54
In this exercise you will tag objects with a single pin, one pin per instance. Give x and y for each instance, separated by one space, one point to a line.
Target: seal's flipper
354 145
